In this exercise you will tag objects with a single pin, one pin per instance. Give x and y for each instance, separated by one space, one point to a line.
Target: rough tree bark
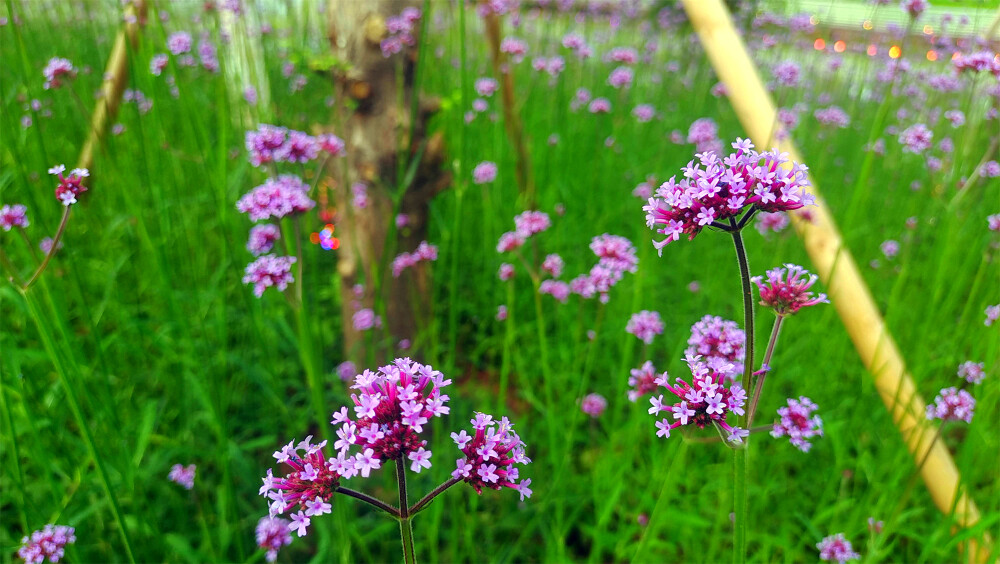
374 126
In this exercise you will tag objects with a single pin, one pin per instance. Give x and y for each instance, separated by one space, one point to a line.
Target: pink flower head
705 401
514 47
615 252
643 381
272 534
365 319
788 295
798 423
972 372
952 404
553 265
158 63
832 115
704 133
331 144
486 87
621 77
599 106
555 288
424 252
506 272
501 313
262 238
645 325
491 456
268 271
391 407
46 543
775 222
183 475
625 55
509 241
890 248
14 216
56 70
593 405
69 186
914 7
276 198
298 147
643 113
980 61
484 172
916 138
530 222
346 370
992 314
179 42
717 190
720 342
836 547
787 73
264 143
309 484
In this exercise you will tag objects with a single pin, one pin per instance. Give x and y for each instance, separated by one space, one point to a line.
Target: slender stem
767 363
27 241
52 250
740 465
369 500
405 527
424 501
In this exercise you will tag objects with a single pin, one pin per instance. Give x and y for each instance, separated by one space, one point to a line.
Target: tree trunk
375 126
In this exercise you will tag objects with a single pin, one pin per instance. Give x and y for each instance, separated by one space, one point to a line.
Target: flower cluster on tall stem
705 401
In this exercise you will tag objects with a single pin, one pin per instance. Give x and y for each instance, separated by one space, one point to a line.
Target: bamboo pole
115 79
838 270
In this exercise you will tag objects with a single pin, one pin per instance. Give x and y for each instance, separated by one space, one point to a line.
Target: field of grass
139 347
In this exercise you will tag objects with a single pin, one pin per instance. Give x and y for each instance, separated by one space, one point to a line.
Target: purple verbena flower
365 319
276 198
309 484
263 143
272 534
832 115
593 405
715 190
972 372
262 238
484 172
553 265
268 271
786 296
798 423
916 138
703 402
645 325
836 547
183 475
57 69
776 222
346 370
486 87
14 216
491 456
992 314
555 288
179 42
69 186
531 222
48 542
720 342
642 380
952 404
158 63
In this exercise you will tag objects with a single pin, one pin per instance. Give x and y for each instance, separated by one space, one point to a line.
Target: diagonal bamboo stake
115 79
837 269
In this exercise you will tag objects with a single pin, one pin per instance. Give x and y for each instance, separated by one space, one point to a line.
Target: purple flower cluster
46 543
980 61
262 238
705 401
787 73
491 455
798 423
484 172
836 547
716 190
69 186
952 404
593 405
56 70
553 265
704 133
514 47
616 256
272 534
767 222
179 43
645 325
786 296
832 115
992 314
643 113
276 198
14 216
916 138
555 288
720 342
621 77
271 143
486 87
424 252
268 271
183 475
642 381
401 31
972 372
309 484
914 7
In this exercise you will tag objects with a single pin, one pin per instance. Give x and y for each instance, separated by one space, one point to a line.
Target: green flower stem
425 501
759 385
740 466
405 527
379 504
